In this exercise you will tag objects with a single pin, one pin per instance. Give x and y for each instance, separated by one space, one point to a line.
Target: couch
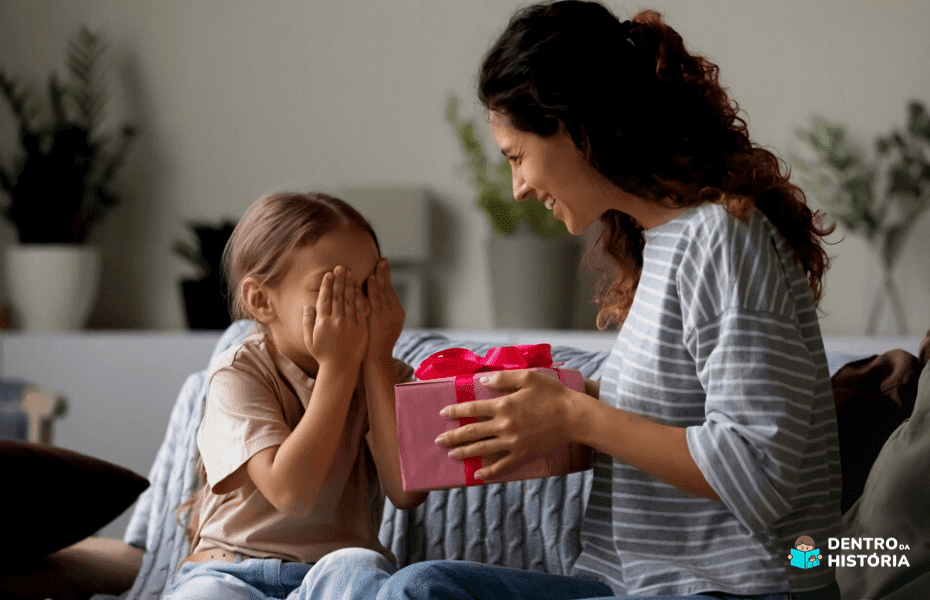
533 524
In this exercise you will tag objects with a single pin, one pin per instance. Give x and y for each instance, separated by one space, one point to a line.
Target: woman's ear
256 300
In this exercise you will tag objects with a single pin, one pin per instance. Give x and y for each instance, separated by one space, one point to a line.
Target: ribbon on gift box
459 361
464 364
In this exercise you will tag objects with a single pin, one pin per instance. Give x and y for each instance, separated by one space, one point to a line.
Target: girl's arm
291 475
558 415
386 322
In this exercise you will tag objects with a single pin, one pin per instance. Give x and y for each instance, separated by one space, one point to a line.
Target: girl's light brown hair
269 230
274 226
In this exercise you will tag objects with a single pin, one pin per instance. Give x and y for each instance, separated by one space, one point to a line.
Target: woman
713 423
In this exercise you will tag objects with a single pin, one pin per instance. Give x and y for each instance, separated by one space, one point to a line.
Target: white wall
238 97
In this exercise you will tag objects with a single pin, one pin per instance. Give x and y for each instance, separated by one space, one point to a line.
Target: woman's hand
387 315
335 330
527 422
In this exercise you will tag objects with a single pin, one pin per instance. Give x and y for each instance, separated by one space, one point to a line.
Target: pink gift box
425 465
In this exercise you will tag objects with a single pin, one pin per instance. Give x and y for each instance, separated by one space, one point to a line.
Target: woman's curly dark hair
648 115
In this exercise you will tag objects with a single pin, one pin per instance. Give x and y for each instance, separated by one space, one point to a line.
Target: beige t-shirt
257 397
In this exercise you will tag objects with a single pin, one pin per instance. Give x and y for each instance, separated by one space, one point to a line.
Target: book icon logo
805 555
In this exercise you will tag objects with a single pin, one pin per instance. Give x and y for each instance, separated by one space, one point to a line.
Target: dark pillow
873 397
54 497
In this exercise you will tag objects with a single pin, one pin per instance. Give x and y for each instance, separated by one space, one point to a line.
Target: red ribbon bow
459 361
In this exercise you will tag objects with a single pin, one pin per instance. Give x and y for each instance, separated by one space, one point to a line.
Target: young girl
714 422
299 424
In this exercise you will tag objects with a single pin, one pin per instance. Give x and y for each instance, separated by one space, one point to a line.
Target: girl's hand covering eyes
335 330
387 315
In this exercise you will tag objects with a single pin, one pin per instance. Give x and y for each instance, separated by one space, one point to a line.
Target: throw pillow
873 397
54 497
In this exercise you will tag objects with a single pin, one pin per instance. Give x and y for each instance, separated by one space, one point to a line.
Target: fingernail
453 454
445 411
440 441
485 379
479 475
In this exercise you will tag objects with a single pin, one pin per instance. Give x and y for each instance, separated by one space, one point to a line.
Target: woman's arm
540 413
660 450
385 322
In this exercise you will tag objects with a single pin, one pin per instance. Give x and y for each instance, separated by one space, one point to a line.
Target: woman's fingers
481 410
474 409
508 380
500 468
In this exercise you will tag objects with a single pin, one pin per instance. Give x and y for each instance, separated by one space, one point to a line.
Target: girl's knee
410 580
206 587
199 581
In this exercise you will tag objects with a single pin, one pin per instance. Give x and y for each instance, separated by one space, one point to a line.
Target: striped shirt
722 339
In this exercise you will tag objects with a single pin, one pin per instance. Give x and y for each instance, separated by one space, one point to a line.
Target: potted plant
205 296
532 258
878 198
59 188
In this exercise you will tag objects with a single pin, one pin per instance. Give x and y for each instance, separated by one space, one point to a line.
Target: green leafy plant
60 187
494 188
879 198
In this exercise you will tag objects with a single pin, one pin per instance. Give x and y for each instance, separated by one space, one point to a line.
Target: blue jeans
347 574
462 580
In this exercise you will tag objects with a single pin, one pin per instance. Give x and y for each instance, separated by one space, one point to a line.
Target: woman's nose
520 189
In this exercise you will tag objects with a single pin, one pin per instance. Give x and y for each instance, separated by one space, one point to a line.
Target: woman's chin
572 225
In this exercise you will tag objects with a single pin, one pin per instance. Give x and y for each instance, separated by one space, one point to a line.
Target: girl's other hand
387 315
335 331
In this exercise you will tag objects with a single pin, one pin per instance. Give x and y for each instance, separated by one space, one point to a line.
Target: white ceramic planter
534 280
52 287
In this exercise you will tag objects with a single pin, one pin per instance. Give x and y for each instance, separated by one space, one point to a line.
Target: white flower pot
52 287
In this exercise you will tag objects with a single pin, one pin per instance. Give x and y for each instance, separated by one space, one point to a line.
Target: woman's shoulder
713 225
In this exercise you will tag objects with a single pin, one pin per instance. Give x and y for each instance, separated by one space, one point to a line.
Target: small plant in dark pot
205 298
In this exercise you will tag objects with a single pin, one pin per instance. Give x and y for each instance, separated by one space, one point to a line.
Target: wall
238 97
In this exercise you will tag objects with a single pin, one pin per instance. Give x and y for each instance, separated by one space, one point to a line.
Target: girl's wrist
337 370
378 360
